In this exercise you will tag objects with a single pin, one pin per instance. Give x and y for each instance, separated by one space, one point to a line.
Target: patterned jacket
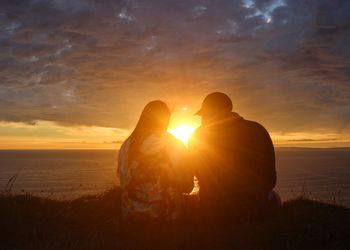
152 182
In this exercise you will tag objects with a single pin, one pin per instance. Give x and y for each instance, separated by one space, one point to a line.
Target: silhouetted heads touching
233 159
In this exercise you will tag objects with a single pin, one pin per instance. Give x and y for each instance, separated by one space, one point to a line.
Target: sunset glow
174 124
70 82
182 132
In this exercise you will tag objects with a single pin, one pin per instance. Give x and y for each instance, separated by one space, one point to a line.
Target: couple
232 158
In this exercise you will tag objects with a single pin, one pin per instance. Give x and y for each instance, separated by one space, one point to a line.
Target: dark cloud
313 140
285 63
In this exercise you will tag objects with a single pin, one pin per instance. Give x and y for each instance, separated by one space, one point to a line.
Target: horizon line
109 149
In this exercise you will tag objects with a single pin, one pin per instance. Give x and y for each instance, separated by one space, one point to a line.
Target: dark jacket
235 162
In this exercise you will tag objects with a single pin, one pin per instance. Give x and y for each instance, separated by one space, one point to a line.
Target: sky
77 73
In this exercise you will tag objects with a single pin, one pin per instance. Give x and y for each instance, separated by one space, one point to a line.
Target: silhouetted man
235 163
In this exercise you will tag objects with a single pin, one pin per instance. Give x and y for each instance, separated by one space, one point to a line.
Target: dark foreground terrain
28 222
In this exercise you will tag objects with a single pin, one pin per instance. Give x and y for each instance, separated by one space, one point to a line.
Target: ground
91 222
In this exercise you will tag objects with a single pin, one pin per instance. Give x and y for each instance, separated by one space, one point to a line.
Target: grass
91 222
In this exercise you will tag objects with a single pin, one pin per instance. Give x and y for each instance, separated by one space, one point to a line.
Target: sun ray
182 132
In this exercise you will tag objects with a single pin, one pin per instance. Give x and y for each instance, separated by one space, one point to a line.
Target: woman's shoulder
124 147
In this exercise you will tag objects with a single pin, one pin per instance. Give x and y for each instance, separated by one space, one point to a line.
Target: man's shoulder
253 125
257 133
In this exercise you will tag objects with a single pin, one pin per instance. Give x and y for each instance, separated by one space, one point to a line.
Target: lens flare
182 132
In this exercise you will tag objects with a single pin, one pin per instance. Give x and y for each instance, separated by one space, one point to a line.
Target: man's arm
193 149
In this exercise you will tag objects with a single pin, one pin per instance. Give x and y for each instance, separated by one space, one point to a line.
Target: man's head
216 104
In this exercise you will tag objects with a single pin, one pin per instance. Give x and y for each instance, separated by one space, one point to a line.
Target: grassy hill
91 222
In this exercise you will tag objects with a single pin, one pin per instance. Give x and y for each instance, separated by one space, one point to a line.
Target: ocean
322 174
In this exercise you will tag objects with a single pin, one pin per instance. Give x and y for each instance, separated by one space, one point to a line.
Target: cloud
49 134
312 140
96 63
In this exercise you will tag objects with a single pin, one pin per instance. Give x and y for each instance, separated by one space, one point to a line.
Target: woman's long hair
154 119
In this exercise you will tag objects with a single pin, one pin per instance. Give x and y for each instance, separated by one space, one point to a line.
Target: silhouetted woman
151 168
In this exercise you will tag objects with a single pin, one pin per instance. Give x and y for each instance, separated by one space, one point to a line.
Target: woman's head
154 117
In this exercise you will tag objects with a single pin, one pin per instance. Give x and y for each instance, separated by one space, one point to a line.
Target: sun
182 132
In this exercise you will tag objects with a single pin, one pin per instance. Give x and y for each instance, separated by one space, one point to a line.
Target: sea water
322 174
